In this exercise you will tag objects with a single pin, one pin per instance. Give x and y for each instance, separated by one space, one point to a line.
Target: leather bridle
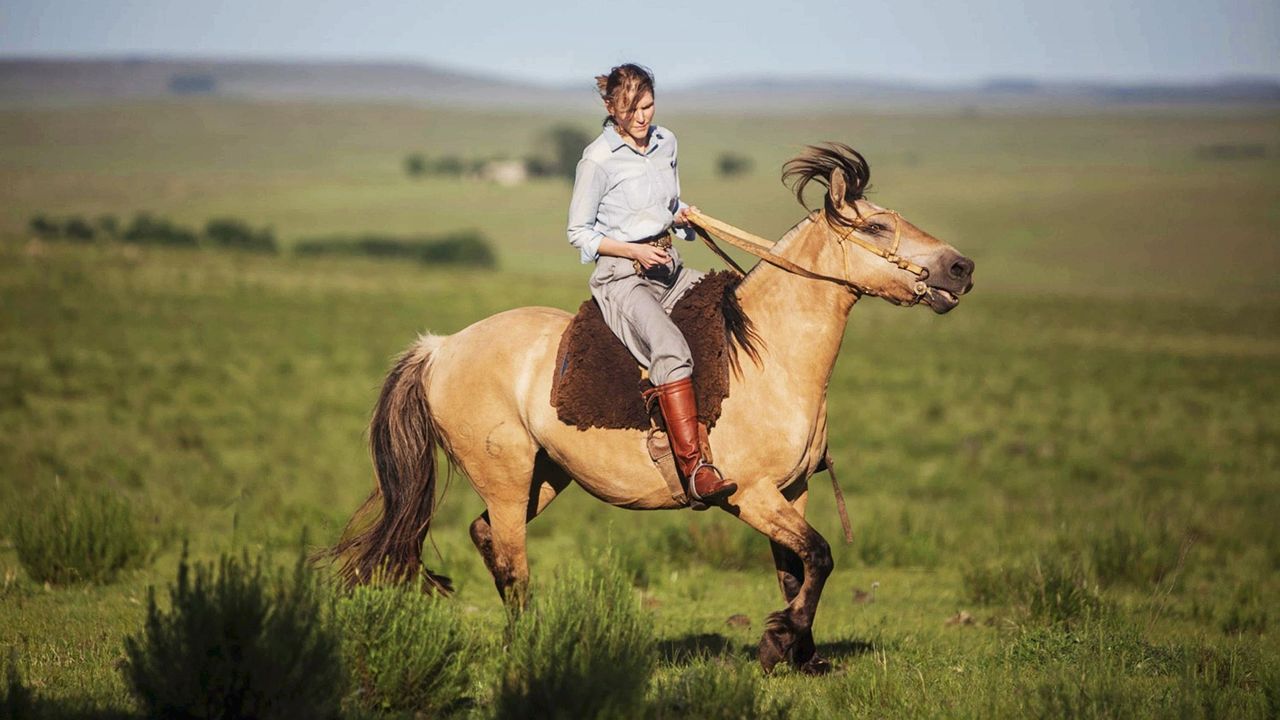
761 248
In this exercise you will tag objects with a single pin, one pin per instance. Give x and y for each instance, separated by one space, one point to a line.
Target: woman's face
635 124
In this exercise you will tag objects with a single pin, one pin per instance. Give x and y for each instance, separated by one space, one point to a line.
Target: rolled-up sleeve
589 185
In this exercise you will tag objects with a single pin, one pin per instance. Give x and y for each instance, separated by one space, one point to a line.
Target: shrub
415 165
406 651
108 225
566 143
76 229
90 537
582 650
463 248
44 228
731 164
467 248
146 229
711 690
238 235
236 643
73 228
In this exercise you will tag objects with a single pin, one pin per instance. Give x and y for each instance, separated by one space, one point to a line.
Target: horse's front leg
791 578
788 633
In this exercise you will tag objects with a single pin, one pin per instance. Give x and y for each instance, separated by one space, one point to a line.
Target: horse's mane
816 163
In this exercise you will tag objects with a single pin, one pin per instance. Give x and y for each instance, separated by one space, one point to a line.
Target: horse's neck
800 321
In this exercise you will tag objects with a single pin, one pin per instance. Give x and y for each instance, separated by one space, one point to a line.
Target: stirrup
724 491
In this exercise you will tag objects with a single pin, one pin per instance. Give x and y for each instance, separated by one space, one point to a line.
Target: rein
761 248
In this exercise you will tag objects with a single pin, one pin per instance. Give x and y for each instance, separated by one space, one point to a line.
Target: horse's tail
384 538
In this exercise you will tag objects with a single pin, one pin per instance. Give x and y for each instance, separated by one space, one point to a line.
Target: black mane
816 163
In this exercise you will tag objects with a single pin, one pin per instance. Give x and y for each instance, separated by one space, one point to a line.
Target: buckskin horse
482 395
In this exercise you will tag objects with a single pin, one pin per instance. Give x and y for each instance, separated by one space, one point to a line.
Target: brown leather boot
680 410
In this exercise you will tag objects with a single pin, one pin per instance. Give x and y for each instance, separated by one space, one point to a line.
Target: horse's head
874 249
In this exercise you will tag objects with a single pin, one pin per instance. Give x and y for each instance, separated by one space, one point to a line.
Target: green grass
1105 403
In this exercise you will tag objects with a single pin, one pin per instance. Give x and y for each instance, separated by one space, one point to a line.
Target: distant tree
731 164
108 225
44 228
449 165
77 230
567 142
194 84
415 165
538 166
239 235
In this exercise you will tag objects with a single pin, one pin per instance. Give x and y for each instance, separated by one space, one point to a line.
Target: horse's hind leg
789 633
499 532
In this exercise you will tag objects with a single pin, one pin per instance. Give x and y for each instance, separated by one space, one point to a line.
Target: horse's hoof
771 652
817 665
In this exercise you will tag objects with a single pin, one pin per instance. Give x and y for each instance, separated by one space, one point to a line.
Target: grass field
1084 457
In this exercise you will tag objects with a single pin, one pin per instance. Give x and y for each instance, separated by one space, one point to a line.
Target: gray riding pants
637 307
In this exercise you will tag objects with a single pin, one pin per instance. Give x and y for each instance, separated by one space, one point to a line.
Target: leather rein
761 248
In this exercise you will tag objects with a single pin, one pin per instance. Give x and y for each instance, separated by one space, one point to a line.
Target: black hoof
817 665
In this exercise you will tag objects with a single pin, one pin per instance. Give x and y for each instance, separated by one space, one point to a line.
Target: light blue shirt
624 194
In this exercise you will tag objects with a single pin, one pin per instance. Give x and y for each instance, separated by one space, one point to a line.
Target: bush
73 228
44 228
406 651
108 225
711 690
731 164
582 650
566 143
77 230
467 248
86 538
236 643
415 165
238 235
148 230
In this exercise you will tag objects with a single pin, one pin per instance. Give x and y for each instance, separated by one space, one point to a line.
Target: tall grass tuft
582 650
86 537
715 690
1054 589
237 642
405 650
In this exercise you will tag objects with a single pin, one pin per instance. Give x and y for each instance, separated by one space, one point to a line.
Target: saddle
598 383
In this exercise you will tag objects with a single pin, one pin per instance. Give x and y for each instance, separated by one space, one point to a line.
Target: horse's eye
873 228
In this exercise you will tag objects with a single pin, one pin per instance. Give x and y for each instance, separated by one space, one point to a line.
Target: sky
685 41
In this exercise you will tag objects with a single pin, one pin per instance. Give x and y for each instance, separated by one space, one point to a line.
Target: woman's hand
682 217
649 256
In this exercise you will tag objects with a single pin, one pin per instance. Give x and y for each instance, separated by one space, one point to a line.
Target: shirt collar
615 141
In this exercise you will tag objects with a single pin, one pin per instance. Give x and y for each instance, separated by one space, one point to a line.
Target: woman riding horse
626 200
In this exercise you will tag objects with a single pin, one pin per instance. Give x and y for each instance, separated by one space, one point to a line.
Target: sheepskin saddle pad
598 383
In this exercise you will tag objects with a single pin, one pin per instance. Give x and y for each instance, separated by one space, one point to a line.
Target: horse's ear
837 187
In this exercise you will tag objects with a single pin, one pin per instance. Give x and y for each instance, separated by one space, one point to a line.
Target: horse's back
497 365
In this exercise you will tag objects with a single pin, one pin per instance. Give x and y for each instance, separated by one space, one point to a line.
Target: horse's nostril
960 270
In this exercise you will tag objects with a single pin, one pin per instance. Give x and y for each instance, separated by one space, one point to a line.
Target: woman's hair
624 86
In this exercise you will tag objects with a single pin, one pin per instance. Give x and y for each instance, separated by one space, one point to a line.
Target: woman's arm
648 255
589 184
